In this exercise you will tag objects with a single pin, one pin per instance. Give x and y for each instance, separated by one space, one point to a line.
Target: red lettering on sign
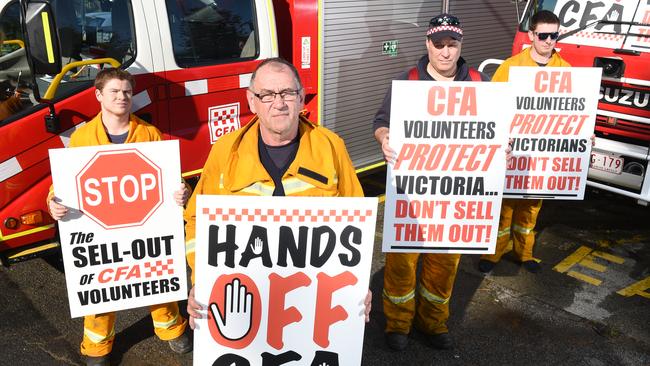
279 317
553 82
453 101
325 315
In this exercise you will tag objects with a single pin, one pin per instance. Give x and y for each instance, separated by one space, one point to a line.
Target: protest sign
122 238
443 194
282 278
555 113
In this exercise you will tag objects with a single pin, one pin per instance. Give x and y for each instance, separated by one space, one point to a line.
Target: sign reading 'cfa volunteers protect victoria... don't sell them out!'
122 238
443 193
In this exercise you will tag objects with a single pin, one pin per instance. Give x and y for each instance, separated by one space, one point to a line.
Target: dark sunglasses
544 36
444 20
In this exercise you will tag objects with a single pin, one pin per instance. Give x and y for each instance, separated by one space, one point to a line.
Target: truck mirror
42 46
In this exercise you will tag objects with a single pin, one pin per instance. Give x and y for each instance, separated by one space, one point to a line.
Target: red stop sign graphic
119 189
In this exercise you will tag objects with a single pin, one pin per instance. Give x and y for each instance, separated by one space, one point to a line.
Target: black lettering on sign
215 247
350 235
257 247
297 251
269 359
230 359
318 258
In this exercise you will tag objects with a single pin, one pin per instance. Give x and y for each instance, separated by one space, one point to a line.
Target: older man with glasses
278 153
519 216
427 306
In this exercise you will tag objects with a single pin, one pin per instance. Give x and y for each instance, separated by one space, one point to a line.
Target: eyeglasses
444 20
288 95
543 36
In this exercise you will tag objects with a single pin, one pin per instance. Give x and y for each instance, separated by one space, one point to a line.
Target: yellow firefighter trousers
518 218
433 293
99 330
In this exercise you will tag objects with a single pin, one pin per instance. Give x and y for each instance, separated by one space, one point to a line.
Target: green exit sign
389 48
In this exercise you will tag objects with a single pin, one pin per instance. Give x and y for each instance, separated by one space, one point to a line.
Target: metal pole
445 6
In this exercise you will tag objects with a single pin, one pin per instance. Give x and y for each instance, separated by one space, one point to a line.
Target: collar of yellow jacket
555 60
100 131
245 168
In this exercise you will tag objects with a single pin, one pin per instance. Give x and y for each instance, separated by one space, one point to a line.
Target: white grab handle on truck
489 61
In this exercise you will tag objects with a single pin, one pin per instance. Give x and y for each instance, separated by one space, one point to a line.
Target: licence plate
605 162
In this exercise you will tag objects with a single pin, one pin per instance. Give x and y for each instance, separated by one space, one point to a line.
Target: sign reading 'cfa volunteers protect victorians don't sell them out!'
555 113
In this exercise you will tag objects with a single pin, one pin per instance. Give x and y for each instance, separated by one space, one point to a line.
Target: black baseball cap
445 25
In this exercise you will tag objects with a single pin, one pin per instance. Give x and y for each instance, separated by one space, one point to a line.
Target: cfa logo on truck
119 189
223 119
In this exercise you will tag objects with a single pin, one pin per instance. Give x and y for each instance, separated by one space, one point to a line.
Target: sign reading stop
119 188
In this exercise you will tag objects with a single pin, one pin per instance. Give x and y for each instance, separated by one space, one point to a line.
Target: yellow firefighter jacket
93 132
523 58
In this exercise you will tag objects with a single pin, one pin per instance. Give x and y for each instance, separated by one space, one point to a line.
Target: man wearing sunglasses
518 216
427 306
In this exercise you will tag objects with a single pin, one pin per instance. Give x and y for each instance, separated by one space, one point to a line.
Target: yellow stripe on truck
274 35
48 37
38 249
24 233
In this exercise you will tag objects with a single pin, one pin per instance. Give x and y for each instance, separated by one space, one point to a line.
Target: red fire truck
192 61
613 35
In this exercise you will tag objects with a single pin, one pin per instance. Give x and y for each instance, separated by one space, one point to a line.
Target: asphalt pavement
590 305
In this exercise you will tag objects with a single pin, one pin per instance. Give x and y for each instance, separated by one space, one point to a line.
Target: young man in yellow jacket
518 216
116 125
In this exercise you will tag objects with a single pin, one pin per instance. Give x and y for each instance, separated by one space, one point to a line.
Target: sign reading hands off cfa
283 279
122 239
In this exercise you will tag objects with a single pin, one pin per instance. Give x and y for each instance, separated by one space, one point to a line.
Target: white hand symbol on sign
237 316
257 247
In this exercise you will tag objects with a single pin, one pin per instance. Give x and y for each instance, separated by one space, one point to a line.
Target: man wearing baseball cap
425 306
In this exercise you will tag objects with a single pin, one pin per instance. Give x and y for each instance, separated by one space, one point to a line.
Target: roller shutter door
489 28
355 73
